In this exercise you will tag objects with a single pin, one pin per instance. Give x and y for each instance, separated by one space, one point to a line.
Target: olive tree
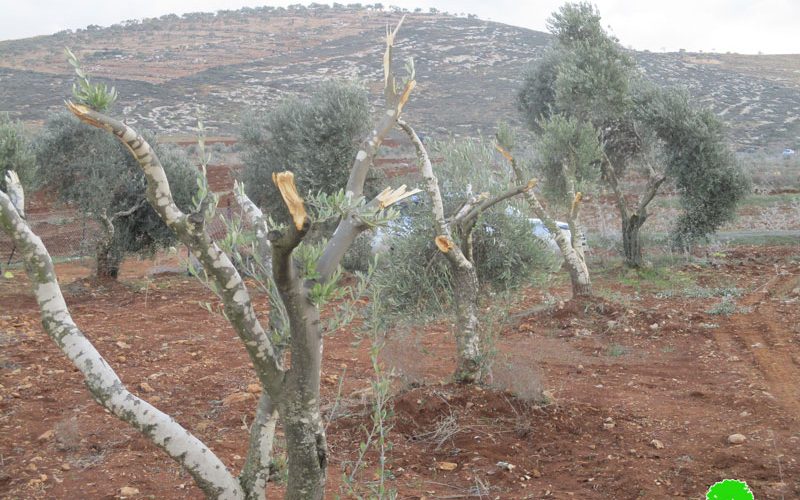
454 239
567 156
290 390
94 173
588 76
316 138
703 169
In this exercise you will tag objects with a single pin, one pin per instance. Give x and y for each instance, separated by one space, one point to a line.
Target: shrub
16 152
359 255
418 278
316 138
507 254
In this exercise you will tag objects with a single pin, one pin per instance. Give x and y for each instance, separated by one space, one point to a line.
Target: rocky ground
646 388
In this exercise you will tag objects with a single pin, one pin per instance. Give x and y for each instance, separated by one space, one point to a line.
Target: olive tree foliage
315 137
568 158
593 73
17 156
91 171
709 179
304 277
95 95
536 97
16 152
453 228
586 75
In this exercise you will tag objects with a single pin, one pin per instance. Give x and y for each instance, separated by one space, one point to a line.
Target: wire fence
66 234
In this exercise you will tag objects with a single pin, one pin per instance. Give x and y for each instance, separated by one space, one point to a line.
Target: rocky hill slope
219 66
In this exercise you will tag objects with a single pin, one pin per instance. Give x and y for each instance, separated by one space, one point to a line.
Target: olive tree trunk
632 241
632 222
471 357
107 258
107 261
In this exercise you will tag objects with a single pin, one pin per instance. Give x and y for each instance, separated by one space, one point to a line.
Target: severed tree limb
575 207
574 260
576 264
294 203
256 218
351 226
467 243
15 192
236 298
471 203
573 213
511 160
431 182
444 236
468 220
208 471
389 196
284 242
470 365
299 406
465 230
256 470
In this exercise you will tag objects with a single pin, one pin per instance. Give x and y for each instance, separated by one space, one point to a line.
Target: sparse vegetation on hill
225 63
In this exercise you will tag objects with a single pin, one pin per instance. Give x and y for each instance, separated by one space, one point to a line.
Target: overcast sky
745 26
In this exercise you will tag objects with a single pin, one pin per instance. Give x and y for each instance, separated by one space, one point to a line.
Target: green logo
730 489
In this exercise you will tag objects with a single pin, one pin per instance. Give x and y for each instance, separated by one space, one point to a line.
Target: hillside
171 69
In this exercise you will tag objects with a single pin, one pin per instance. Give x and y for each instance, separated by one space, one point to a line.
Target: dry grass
519 377
444 430
67 435
405 357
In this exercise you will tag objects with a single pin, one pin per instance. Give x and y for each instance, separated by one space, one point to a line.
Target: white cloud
746 26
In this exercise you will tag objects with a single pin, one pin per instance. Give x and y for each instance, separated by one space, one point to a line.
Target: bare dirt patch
644 385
